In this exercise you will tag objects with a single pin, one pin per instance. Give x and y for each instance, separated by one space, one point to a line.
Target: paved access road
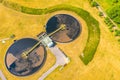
61 59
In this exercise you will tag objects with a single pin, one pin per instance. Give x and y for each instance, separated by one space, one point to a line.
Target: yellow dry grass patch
104 66
47 3
38 3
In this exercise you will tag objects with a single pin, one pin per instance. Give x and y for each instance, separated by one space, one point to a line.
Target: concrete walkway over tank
61 59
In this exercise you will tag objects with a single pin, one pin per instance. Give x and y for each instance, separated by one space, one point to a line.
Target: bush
111 30
107 19
112 25
117 32
118 40
100 14
115 1
12 36
90 1
108 22
94 4
114 13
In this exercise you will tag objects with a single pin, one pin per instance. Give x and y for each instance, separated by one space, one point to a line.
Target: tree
117 19
90 0
12 36
114 13
100 14
118 40
115 1
94 4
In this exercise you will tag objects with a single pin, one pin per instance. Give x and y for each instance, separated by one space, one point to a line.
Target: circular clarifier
20 66
73 27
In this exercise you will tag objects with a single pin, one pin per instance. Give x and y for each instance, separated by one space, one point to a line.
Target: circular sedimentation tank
20 66
72 31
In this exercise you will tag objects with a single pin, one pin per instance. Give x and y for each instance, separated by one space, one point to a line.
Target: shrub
90 1
115 1
114 13
94 4
110 27
117 32
118 40
12 36
100 14
110 23
111 30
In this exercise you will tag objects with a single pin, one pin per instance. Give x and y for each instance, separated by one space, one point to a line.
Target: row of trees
112 27
93 3
113 13
109 23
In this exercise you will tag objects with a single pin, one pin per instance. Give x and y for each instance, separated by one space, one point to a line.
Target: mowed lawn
104 66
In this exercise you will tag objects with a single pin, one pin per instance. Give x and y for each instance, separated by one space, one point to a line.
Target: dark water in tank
21 45
52 24
73 27
17 48
55 22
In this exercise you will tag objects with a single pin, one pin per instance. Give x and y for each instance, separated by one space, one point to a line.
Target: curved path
61 60
93 25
